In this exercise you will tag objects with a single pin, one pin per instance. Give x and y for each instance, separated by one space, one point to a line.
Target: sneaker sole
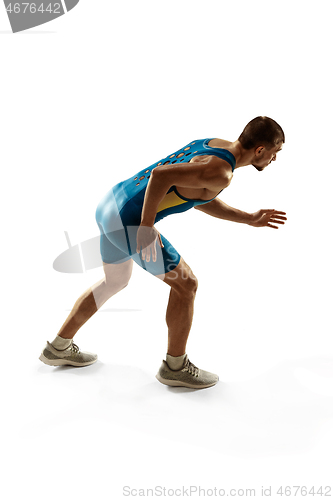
62 362
174 383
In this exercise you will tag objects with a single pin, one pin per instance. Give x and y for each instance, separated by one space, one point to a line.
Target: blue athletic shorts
118 228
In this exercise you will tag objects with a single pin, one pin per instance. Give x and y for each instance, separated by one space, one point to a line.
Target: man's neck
242 156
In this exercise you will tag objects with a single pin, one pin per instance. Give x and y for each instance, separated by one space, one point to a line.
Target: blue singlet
118 214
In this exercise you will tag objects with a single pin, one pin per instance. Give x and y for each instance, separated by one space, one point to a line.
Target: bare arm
266 217
217 208
208 174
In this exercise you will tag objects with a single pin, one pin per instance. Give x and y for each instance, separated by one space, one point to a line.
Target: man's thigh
120 245
167 258
181 277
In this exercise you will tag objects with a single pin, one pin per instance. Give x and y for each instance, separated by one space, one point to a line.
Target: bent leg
116 278
179 314
177 370
179 276
173 270
117 266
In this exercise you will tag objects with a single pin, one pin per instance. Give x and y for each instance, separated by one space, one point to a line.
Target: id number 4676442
31 8
322 491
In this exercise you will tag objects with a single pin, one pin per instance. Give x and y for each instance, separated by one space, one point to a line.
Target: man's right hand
146 239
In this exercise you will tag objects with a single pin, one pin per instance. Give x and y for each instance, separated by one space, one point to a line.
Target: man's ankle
175 362
60 343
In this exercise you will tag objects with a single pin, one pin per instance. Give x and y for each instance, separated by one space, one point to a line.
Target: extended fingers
279 219
153 251
280 215
160 241
276 221
271 210
150 248
146 252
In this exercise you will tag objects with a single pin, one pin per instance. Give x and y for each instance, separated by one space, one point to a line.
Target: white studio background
88 100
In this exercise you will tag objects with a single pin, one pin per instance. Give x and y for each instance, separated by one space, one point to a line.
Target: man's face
263 157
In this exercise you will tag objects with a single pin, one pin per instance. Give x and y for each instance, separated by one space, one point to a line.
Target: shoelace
75 348
191 368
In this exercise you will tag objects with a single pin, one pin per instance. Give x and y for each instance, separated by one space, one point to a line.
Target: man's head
265 137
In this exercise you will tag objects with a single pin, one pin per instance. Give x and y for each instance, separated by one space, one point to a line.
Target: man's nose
274 158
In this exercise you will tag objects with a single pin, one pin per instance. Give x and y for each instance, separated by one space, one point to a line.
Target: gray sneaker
70 356
188 376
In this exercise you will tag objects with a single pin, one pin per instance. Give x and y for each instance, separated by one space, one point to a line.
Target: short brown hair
261 131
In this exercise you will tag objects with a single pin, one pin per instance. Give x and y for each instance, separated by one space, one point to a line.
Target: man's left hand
267 217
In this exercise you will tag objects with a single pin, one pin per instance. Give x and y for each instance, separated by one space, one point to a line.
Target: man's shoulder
214 164
221 166
218 172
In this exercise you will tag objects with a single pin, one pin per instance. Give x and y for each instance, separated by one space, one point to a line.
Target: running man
191 177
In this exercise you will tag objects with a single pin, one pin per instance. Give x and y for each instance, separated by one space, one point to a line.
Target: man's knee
117 276
192 284
115 285
186 285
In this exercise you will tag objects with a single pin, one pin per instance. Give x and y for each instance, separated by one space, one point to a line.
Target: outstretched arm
266 217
